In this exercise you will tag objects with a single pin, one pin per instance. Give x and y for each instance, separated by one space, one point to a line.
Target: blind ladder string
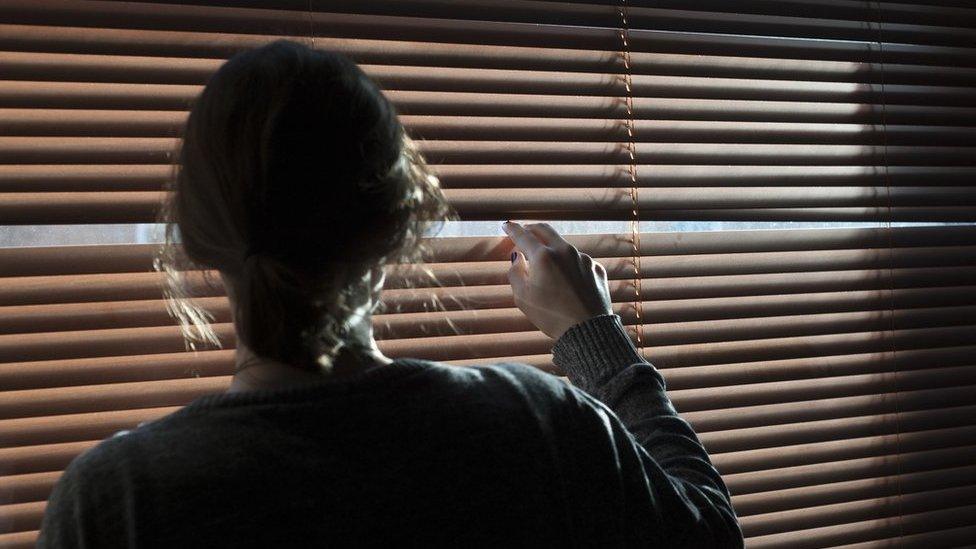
632 156
890 241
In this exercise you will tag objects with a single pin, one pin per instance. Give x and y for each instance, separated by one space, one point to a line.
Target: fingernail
514 255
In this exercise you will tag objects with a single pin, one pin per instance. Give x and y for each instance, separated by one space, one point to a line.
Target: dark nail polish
514 255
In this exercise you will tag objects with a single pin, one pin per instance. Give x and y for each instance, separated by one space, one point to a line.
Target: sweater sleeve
668 493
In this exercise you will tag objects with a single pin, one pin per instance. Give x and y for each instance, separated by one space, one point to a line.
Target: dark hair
294 178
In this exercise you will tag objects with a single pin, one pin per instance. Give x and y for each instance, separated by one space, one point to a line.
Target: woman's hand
554 284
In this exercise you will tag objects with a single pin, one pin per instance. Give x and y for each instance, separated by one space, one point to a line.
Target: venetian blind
829 371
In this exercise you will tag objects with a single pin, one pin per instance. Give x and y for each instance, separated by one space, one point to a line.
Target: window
802 177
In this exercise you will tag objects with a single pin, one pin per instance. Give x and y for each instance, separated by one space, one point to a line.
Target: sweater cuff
594 348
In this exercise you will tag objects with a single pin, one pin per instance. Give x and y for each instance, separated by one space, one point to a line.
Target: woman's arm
625 447
671 494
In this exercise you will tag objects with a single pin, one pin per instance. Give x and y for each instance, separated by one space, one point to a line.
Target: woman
298 184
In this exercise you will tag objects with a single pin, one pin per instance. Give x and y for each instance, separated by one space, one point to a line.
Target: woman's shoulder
107 453
518 380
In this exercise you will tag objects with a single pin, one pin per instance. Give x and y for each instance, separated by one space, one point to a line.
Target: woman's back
412 453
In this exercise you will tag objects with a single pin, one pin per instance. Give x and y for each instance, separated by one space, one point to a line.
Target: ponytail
276 315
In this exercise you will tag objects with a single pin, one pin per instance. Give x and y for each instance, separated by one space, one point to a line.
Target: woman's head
298 183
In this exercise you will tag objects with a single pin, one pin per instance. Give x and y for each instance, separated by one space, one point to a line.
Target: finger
600 269
589 262
547 234
518 273
525 241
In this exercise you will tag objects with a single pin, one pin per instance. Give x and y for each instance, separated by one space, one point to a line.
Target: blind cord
892 386
632 154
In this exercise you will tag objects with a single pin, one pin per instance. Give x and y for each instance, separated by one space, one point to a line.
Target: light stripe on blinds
829 372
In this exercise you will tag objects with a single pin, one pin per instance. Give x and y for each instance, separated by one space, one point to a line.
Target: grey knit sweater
416 454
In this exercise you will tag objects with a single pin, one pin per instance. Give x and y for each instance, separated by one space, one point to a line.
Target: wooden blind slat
871 529
840 450
826 430
800 497
95 287
113 314
152 177
19 540
160 366
158 44
452 79
843 513
177 97
535 66
686 343
136 123
950 537
903 203
504 14
295 24
137 258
